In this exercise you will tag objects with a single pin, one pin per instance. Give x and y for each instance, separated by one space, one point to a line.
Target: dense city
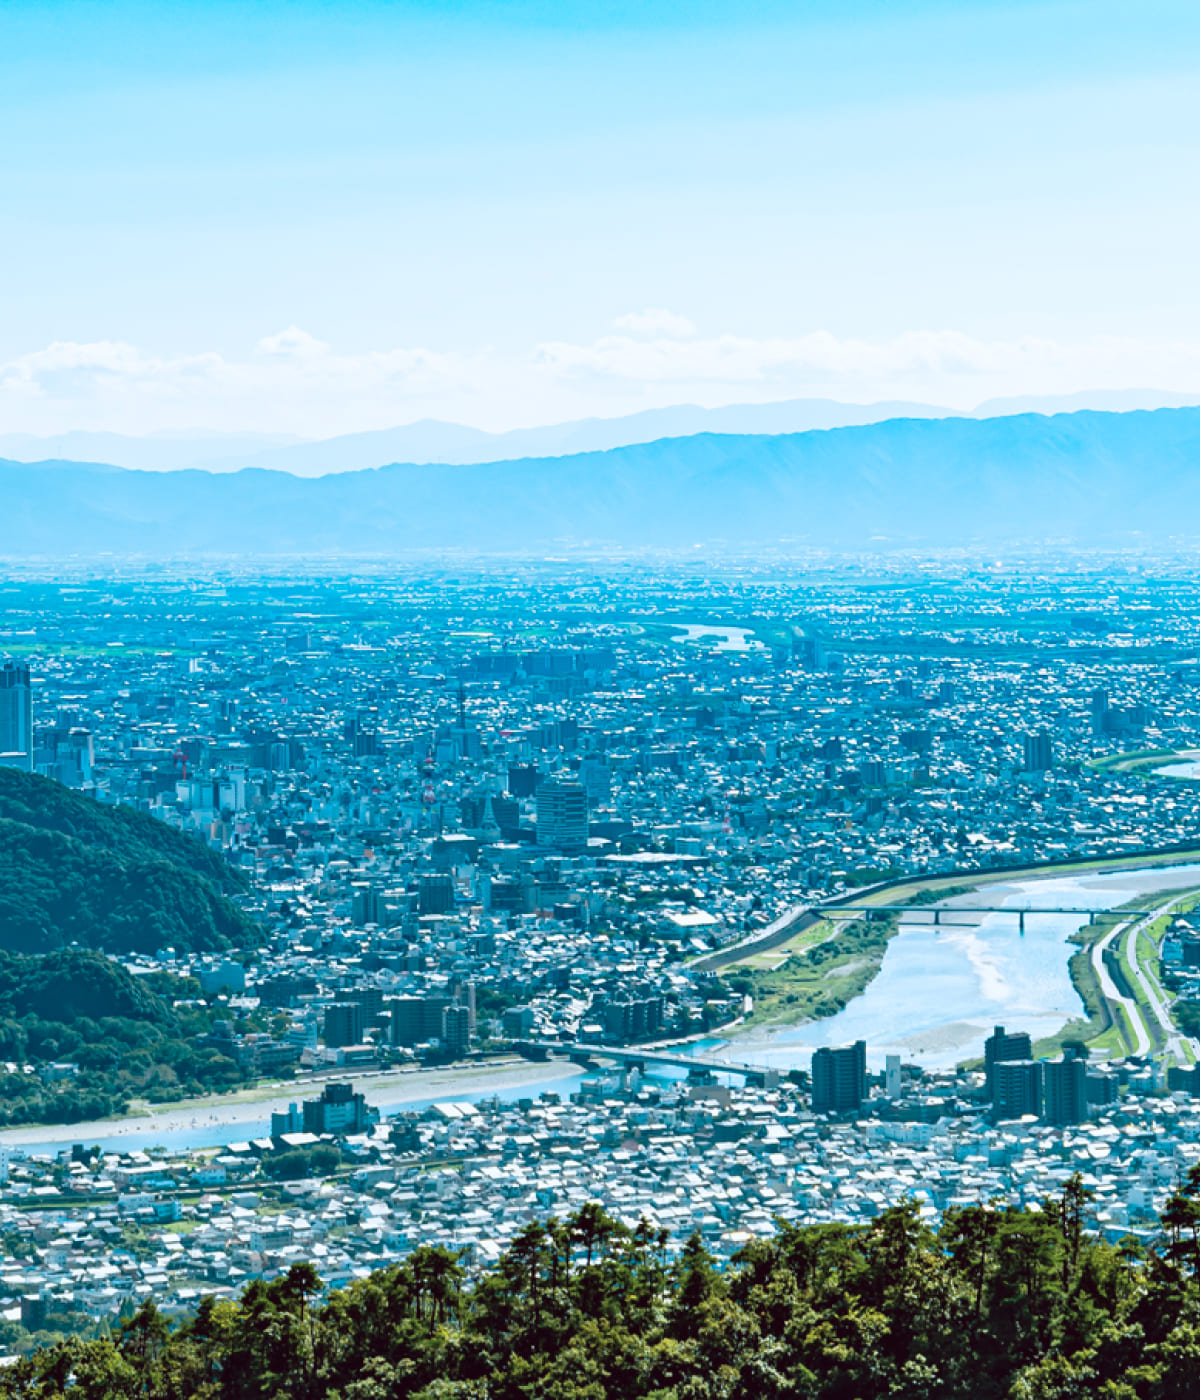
552 821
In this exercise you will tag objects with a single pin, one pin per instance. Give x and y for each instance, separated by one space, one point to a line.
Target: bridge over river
583 1053
946 915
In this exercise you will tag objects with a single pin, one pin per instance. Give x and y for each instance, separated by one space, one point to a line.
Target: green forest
997 1304
130 1037
73 870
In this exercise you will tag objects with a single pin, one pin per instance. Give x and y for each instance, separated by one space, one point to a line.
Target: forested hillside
123 1034
998 1305
73 870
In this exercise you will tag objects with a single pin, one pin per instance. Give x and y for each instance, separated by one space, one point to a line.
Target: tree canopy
996 1304
73 870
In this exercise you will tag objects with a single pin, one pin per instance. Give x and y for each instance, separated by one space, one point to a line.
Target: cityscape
599 700
576 846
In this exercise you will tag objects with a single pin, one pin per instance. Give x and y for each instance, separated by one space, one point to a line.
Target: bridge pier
937 916
1021 922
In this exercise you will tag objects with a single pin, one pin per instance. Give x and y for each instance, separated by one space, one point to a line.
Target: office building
562 816
344 1024
368 907
16 717
523 780
1064 1091
417 1019
1039 753
1016 1088
339 1111
839 1078
1002 1046
891 1079
456 1031
435 894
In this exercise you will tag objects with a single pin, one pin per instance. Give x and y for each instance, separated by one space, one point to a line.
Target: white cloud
291 382
293 342
656 321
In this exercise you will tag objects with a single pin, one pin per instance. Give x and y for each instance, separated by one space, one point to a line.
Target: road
1173 1038
1128 933
1133 1016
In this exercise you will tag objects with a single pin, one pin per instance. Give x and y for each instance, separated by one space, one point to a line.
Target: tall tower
16 717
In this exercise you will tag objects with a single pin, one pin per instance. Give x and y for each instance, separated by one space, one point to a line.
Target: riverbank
250 1107
939 989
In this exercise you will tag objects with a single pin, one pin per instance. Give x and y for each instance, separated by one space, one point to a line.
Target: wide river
943 987
937 996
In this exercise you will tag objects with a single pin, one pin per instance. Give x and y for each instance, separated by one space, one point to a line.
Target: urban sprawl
495 817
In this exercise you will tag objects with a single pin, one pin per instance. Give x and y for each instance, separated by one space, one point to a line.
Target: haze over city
599 700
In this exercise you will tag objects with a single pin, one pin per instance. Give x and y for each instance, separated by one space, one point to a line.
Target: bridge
583 1053
938 914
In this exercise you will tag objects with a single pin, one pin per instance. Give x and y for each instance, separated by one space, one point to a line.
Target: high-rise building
16 717
1039 753
435 894
368 906
892 1081
1064 1091
339 1111
456 1031
416 1019
1002 1046
523 780
344 1023
1017 1088
562 816
839 1078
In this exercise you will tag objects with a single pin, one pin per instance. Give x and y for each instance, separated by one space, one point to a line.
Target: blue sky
313 218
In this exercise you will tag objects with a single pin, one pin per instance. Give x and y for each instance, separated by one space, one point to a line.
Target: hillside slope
75 871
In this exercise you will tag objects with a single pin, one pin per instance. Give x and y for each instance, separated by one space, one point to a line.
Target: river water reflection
942 988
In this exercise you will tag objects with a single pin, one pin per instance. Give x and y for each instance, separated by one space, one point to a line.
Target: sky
304 219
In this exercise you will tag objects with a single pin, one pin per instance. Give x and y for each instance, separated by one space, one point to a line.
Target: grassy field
1135 761
815 980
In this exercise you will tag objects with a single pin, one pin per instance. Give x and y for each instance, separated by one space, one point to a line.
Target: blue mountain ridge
1084 477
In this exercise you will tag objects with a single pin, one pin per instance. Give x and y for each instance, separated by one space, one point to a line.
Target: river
722 638
1189 769
942 988
938 994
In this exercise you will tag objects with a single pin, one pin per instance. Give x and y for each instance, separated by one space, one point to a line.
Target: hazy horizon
313 221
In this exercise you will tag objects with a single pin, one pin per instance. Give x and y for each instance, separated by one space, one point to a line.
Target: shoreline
382 1091
394 1088
764 1036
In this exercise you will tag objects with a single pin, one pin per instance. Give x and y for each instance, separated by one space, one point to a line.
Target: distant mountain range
454 444
1084 477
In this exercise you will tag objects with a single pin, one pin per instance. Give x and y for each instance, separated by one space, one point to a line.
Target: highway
1172 1037
1133 1016
1165 1028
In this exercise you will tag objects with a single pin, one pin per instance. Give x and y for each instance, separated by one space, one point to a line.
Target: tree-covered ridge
75 871
41 802
121 1034
74 984
1012 1304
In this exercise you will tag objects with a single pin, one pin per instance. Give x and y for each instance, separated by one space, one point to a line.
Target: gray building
1064 1091
562 816
1017 1088
839 1078
16 717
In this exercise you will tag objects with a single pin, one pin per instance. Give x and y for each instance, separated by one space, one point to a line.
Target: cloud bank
293 382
